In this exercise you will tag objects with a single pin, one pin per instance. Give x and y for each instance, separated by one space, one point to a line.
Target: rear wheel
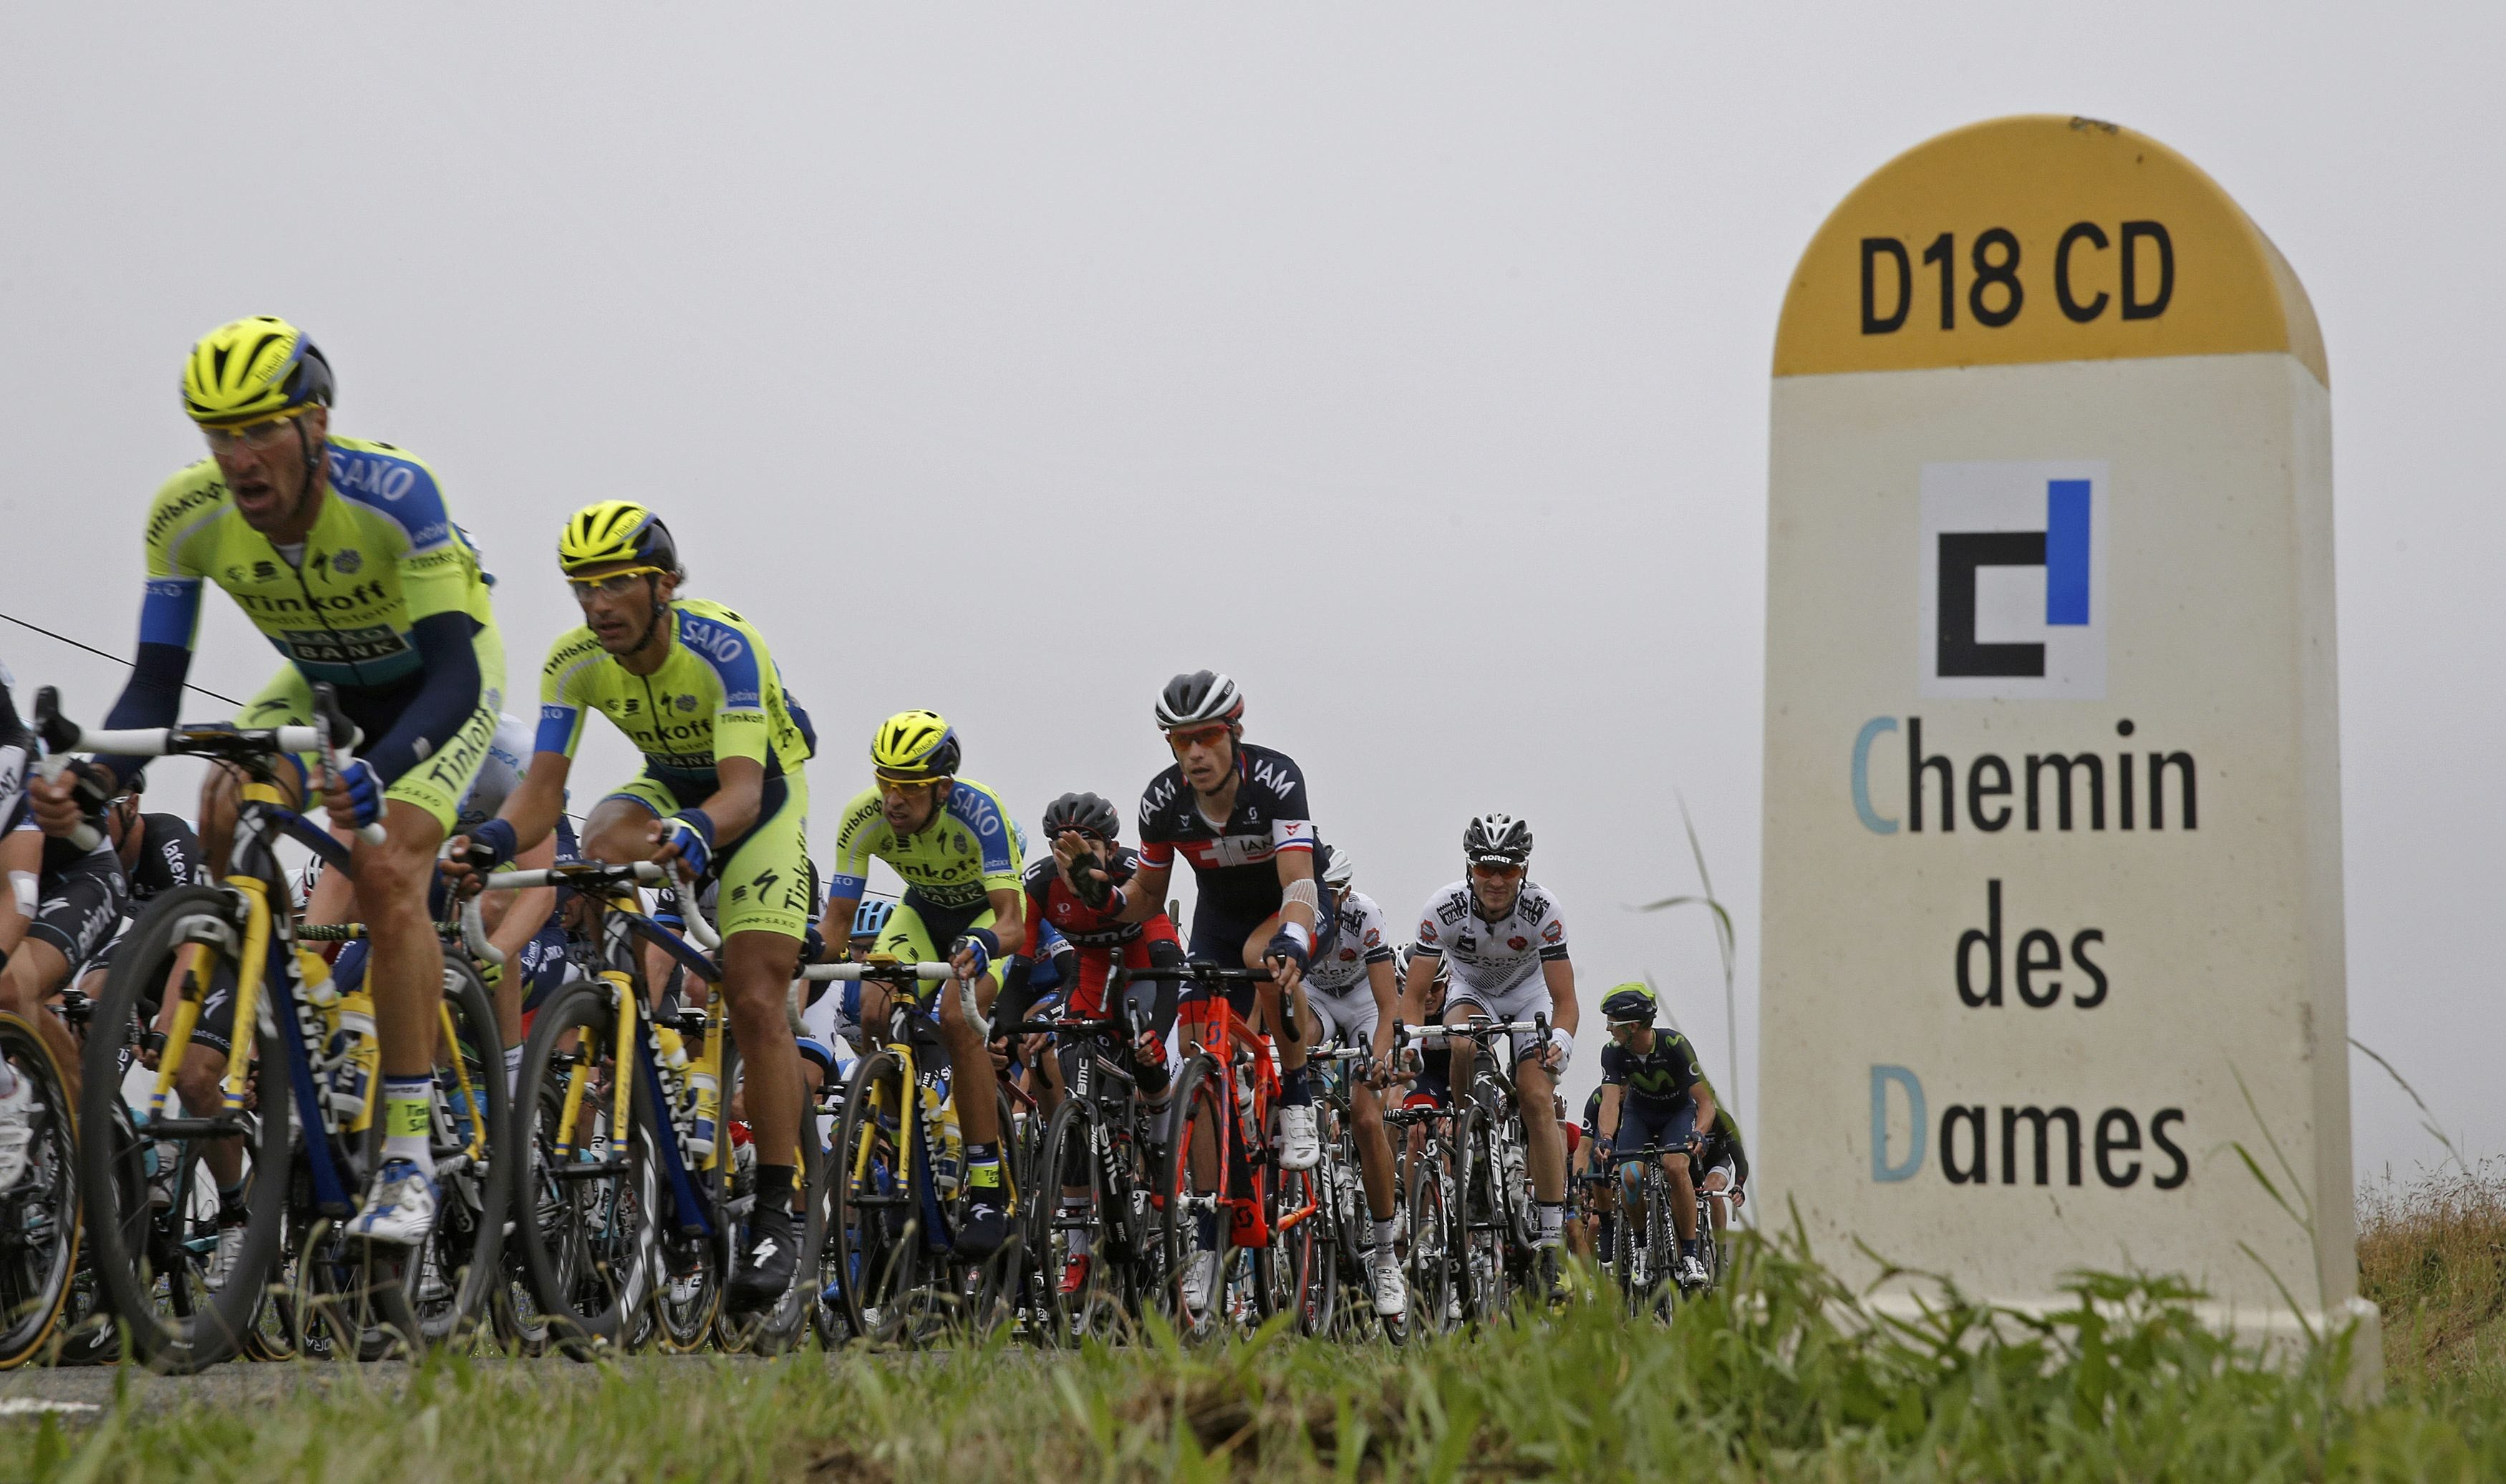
1069 1204
1307 1253
1430 1264
460 1271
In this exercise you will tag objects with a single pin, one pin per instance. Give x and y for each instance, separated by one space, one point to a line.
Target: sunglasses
1182 738
259 436
616 584
1501 870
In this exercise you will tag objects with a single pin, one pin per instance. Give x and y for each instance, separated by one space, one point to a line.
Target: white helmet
1337 869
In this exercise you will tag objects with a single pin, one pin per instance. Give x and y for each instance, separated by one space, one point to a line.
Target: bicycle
636 1201
1220 1163
39 1214
1100 1141
1642 1264
893 1194
298 1053
1326 1252
1490 1210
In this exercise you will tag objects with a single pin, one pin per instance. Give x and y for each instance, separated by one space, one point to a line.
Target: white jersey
1491 958
1362 943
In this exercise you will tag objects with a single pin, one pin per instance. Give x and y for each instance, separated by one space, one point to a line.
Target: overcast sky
1409 363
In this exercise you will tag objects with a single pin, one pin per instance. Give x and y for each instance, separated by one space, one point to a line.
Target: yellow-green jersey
382 556
717 695
956 863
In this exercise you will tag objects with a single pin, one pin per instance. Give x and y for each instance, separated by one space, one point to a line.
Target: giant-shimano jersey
1490 958
717 695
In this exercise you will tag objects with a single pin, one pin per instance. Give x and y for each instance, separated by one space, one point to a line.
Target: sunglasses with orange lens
1183 737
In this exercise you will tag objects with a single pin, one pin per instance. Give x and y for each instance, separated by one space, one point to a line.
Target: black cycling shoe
987 1227
1551 1277
765 1268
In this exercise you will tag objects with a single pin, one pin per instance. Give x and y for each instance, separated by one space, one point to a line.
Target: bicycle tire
1195 1098
118 1249
779 1328
1429 1266
1310 1252
1070 1141
41 1210
876 1224
587 1243
687 1323
468 1242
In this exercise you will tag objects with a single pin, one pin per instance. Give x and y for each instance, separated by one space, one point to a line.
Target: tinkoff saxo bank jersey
381 555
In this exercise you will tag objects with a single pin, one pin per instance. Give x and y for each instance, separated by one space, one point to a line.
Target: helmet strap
653 625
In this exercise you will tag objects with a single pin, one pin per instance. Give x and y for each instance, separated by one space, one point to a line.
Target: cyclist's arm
1008 914
21 858
732 806
443 703
1296 865
533 806
520 915
1609 1124
1417 977
1704 1096
1388 1006
1563 1012
1146 891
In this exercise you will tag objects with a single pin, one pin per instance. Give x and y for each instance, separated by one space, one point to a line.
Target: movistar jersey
966 853
381 555
716 695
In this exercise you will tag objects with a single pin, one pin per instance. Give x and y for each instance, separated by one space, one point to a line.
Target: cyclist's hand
354 795
813 945
1286 959
61 803
999 1047
686 837
973 952
1149 1049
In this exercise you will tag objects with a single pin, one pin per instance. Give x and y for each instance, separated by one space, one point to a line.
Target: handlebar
474 934
895 974
582 876
60 736
1205 973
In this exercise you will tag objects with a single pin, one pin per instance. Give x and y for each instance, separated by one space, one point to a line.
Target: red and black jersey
1050 900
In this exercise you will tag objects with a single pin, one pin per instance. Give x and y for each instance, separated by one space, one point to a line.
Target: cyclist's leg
765 909
1276 1012
1683 1190
971 1078
81 905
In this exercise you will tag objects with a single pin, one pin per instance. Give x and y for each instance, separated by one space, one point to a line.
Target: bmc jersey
716 695
1662 1075
1492 956
1343 971
1232 863
383 554
1052 906
957 861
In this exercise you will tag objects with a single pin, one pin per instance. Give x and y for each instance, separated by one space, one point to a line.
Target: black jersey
169 856
1662 1075
1234 864
17 749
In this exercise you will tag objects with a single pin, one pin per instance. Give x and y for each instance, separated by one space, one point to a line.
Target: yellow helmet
251 370
914 747
616 531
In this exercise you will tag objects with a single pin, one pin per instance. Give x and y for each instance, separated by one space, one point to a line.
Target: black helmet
1496 839
1085 813
1203 696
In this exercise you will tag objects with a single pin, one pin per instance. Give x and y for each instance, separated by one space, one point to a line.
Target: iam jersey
1343 971
1492 956
1235 863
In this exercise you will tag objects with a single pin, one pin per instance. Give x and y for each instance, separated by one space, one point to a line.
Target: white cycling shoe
1200 1276
17 1129
1298 1146
1692 1273
1392 1292
223 1260
400 1209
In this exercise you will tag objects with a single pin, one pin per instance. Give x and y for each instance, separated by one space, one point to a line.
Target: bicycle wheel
876 1223
158 1289
988 1290
586 1228
461 1270
1434 1303
779 1328
1199 1136
1307 1254
1479 1178
687 1297
39 1214
1083 1300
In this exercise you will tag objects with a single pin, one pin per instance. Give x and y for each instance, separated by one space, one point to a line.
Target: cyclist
1352 994
1506 942
1654 1094
342 552
950 839
831 1027
722 795
67 902
1238 812
1726 1164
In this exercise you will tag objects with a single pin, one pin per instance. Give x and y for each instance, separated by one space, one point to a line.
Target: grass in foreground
1792 1382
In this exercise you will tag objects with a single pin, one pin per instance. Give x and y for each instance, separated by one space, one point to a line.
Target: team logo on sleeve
1426 930
1374 938
1555 932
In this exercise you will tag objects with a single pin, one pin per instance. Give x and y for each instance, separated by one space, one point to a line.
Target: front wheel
39 1214
874 1221
586 1197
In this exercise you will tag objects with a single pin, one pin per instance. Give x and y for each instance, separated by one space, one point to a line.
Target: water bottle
949 1160
354 1054
315 973
705 1091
